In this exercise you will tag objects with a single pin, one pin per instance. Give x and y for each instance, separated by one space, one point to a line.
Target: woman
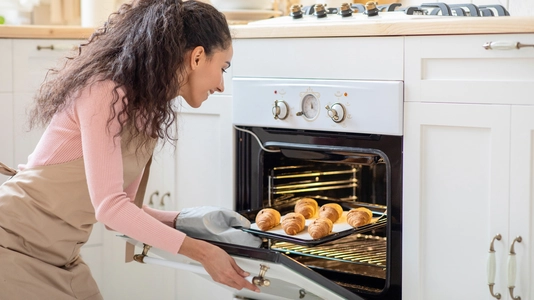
105 109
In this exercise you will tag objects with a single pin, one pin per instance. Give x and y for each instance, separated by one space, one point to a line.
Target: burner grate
437 8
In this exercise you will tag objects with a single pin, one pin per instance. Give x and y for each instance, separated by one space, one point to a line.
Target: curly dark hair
141 48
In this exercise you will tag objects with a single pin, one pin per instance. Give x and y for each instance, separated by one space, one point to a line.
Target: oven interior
348 169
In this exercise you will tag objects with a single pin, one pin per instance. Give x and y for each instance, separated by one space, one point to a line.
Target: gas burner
372 9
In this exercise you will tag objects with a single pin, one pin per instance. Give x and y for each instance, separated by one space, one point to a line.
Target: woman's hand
221 266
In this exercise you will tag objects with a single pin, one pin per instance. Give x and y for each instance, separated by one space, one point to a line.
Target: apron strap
130 248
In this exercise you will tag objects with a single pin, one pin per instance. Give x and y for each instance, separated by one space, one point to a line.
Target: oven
335 141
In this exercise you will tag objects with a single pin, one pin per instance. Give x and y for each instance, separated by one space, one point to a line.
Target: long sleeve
104 171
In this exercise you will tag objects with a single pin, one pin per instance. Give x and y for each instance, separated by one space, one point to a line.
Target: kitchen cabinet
204 166
6 80
6 103
32 59
6 132
468 165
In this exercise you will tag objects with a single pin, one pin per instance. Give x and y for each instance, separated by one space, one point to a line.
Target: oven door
282 277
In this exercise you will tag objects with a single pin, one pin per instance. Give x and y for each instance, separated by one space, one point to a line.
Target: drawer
360 58
34 57
458 69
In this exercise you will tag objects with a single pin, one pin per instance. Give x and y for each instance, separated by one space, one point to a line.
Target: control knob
336 112
280 110
296 11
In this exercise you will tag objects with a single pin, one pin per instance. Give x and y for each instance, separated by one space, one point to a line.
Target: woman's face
204 75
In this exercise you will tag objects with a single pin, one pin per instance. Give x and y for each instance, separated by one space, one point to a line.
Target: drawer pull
504 45
56 47
512 269
492 267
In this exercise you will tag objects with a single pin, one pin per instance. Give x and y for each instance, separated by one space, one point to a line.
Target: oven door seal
289 278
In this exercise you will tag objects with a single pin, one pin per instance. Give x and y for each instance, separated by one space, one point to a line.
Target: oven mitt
216 224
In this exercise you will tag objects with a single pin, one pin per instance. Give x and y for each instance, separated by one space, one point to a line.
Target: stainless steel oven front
334 141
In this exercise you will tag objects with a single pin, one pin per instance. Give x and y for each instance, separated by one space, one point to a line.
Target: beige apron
46 216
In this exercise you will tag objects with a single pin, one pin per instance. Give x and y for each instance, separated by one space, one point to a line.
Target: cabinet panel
30 64
24 140
344 59
522 196
204 168
92 256
204 157
6 131
457 69
456 198
6 65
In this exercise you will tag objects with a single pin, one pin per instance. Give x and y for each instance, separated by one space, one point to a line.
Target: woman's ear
197 55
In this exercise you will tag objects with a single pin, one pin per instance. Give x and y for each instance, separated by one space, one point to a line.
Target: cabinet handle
505 45
56 47
492 267
512 269
162 202
150 201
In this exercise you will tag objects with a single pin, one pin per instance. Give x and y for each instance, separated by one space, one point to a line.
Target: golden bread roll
359 216
332 211
307 207
267 218
293 223
320 227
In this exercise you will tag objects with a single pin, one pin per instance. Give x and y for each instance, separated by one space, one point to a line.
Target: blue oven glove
216 224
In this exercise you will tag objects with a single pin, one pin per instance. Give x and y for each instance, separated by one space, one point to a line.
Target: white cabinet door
204 154
92 253
6 104
6 131
204 168
30 66
522 198
24 139
456 199
160 187
6 65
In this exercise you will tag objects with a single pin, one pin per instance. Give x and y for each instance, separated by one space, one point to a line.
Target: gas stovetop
372 11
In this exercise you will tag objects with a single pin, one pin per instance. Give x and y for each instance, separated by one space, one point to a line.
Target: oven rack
359 249
303 179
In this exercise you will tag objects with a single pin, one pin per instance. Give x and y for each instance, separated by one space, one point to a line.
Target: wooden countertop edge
45 32
439 26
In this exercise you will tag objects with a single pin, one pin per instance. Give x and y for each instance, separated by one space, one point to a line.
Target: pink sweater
81 130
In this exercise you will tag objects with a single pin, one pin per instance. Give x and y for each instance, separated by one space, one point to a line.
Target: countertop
379 27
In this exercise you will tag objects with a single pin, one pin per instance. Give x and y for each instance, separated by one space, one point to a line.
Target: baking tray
339 230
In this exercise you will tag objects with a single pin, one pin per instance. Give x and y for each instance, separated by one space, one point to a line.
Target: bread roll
293 223
320 227
267 218
332 211
307 207
359 216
